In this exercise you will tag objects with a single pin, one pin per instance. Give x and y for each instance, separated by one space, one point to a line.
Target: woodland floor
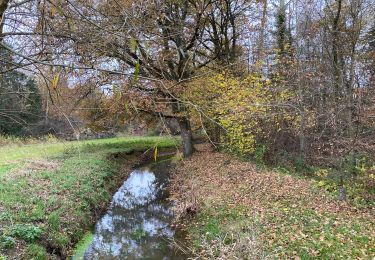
232 209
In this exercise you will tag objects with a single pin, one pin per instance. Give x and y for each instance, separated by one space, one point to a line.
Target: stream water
137 224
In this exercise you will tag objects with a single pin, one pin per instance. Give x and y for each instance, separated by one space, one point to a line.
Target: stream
137 224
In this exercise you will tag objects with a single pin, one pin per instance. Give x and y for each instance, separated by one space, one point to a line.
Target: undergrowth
10 140
356 176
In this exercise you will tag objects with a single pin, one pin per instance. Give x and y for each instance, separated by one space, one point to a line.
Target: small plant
7 242
282 170
5 216
321 173
36 252
59 239
362 165
50 138
299 163
327 185
259 154
54 220
138 234
356 164
26 232
38 212
212 229
70 151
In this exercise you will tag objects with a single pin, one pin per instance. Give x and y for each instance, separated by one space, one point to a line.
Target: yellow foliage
55 80
240 105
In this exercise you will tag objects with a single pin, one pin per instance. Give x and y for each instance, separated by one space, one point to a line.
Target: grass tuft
81 247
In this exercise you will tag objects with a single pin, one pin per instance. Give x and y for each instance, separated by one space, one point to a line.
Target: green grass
6 168
81 247
10 154
37 252
50 193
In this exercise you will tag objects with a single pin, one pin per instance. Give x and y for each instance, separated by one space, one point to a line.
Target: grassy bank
50 194
234 210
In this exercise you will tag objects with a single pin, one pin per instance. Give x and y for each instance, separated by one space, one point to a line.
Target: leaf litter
291 216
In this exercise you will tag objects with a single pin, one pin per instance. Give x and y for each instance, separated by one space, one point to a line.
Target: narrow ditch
137 223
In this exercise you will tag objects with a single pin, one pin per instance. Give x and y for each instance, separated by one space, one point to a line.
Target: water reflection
137 224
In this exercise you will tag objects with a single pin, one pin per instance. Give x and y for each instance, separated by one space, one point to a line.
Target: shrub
259 153
10 140
7 242
29 233
240 106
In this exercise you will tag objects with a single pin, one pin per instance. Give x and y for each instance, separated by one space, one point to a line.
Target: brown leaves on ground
32 167
283 204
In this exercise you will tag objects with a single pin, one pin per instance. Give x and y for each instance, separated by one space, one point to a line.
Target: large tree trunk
3 8
186 135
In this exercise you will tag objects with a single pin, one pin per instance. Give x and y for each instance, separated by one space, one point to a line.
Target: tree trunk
354 39
336 57
216 134
302 138
342 193
186 135
260 50
3 8
349 95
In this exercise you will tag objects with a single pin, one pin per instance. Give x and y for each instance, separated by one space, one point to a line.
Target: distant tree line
20 100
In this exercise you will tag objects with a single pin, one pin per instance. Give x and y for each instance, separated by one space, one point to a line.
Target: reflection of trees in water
137 209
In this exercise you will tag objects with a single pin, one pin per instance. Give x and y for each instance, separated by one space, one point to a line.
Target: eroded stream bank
137 224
